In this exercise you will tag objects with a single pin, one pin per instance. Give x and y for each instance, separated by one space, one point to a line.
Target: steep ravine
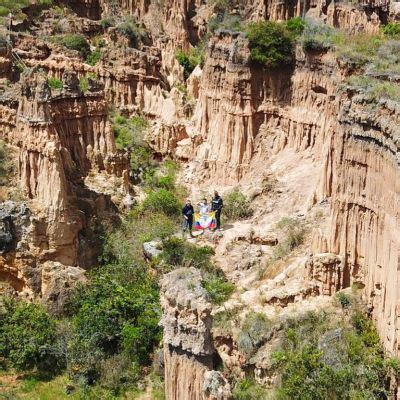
298 140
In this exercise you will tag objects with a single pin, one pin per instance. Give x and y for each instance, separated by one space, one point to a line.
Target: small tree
270 43
28 336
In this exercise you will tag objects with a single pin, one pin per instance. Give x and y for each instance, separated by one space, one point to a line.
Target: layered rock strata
188 348
61 138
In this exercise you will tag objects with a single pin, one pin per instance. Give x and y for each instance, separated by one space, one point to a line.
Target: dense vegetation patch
74 41
7 165
190 59
55 83
15 6
129 28
237 206
28 337
270 43
322 359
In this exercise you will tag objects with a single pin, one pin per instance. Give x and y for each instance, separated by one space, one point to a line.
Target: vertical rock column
188 347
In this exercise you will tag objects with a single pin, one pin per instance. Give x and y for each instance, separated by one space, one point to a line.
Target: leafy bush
320 361
107 22
217 287
118 373
28 337
237 206
94 57
84 84
249 390
189 60
130 29
343 299
359 49
392 29
128 132
254 330
75 42
177 252
125 244
270 44
295 26
317 37
164 201
7 166
55 83
116 312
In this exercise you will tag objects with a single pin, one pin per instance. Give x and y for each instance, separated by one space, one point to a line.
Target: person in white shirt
204 207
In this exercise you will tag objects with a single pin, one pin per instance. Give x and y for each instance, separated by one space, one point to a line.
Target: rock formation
188 347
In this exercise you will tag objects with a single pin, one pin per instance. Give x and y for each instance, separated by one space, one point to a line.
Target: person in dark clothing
216 205
188 213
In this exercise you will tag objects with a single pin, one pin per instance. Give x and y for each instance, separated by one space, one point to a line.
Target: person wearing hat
188 213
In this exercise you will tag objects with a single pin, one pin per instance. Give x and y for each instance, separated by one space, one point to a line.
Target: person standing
188 212
216 205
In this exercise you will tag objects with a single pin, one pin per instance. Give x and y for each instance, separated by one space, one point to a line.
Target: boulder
152 249
215 386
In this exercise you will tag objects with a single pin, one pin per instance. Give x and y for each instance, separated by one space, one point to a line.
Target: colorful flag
205 221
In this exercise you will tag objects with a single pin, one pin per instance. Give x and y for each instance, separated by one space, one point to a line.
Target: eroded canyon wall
246 114
62 137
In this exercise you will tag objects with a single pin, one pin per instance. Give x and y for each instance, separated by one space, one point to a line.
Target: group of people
204 209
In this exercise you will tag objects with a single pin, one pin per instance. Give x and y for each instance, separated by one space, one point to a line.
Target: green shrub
178 252
318 37
254 330
392 29
94 57
7 165
295 26
128 132
84 84
217 287
359 49
162 200
117 311
119 373
237 206
375 89
131 30
28 337
320 360
343 299
107 22
270 44
124 245
55 83
189 60
75 42
249 390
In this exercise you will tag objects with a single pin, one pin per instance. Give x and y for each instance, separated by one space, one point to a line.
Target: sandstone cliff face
364 189
61 138
188 347
246 115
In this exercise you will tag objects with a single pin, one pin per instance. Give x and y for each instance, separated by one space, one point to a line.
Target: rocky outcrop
61 138
188 347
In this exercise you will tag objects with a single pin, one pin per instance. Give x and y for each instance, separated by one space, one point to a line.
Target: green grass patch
55 83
